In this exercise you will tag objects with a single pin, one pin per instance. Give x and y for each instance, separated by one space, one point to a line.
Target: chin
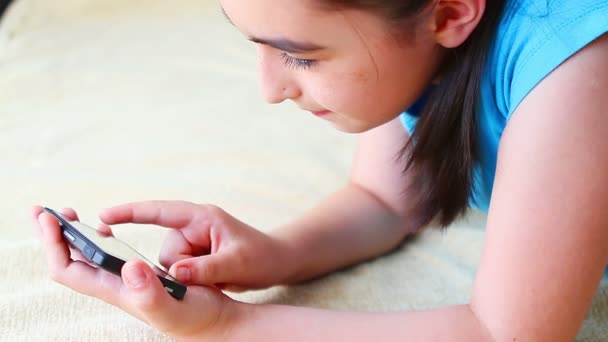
353 129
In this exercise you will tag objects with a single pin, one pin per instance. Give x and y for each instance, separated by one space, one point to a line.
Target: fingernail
183 274
135 278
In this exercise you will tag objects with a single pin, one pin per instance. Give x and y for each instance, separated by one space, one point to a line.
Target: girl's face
346 67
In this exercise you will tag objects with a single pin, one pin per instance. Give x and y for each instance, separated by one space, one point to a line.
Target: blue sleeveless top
533 38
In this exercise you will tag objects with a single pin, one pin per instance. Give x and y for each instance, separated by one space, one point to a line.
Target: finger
58 253
105 230
176 247
170 214
145 293
69 213
194 221
35 212
75 274
205 270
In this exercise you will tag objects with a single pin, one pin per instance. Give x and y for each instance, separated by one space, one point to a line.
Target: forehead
273 12
304 19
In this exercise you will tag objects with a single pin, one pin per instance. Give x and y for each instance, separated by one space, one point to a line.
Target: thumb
146 294
204 270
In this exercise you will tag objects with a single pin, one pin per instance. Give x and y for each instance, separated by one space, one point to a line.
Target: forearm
280 323
348 227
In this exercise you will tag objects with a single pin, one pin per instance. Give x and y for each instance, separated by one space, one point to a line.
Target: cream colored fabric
109 101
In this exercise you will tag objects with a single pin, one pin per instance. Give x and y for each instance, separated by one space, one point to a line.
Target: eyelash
297 63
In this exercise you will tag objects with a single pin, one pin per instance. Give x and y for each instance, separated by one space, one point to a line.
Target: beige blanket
108 101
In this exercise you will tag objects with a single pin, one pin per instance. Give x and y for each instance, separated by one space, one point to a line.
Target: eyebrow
286 45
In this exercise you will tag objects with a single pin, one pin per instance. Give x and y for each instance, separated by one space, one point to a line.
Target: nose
277 84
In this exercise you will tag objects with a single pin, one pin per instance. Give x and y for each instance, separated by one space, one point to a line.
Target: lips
320 112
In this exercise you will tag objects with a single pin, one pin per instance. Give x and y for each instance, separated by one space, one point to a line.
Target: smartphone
109 253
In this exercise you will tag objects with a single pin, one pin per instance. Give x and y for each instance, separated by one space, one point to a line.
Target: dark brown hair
443 148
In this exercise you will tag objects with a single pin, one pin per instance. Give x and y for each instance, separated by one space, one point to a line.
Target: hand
203 313
207 246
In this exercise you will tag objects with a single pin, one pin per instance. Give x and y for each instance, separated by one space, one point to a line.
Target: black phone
109 253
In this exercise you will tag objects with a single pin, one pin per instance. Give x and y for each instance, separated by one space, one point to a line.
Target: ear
455 20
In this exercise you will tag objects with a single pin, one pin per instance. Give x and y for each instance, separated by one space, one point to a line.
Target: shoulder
534 37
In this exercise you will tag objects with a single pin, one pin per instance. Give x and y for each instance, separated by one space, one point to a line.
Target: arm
547 231
362 220
547 238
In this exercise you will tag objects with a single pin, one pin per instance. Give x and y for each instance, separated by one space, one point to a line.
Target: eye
297 63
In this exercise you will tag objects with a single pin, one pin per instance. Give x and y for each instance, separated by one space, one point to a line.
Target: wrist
234 314
285 260
231 315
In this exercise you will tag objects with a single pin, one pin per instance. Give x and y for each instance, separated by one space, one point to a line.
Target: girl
496 104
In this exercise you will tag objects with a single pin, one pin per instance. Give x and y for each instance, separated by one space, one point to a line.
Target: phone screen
113 246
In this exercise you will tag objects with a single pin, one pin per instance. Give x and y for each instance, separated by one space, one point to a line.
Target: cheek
342 92
359 76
